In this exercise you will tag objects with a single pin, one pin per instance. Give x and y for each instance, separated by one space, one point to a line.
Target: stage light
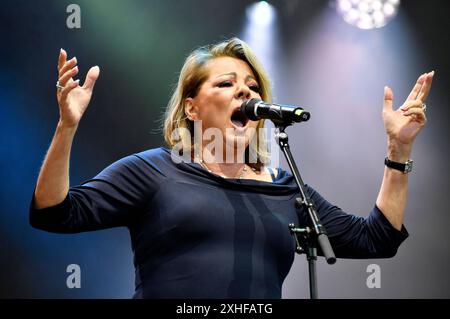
260 31
260 13
368 14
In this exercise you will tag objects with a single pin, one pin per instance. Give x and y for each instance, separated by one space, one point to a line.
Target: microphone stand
309 236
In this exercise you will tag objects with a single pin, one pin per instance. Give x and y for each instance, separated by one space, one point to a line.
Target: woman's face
230 82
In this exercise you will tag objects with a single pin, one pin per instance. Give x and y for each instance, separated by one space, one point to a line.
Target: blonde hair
194 73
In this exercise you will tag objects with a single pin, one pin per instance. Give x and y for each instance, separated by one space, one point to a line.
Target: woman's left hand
403 125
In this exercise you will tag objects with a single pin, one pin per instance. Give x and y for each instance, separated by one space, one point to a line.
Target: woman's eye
224 84
254 88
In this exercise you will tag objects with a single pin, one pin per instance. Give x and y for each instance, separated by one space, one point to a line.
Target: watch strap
405 167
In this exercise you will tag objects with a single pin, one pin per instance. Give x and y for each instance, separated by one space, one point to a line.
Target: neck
230 164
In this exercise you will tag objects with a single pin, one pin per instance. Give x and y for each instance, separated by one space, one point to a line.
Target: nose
243 92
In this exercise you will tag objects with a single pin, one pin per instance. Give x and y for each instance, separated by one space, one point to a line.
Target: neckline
283 178
240 178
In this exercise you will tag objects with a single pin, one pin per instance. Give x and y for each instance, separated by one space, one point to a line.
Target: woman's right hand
73 99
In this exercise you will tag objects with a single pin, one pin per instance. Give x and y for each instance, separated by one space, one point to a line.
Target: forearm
394 187
53 182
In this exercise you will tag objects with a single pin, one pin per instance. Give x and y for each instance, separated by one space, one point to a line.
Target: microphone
256 109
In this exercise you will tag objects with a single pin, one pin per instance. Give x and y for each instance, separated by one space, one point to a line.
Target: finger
411 104
67 66
68 88
67 76
425 90
416 89
418 113
91 77
388 99
62 58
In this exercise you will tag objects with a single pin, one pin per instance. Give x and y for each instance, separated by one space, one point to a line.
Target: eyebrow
234 74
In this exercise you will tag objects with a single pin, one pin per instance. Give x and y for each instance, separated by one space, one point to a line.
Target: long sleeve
354 236
110 199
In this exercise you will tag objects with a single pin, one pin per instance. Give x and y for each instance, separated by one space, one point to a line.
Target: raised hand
403 124
73 99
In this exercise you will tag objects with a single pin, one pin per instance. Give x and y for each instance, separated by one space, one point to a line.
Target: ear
190 109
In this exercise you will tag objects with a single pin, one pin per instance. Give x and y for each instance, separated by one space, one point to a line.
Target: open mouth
238 118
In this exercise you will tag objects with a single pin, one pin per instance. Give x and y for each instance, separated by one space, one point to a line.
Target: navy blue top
197 235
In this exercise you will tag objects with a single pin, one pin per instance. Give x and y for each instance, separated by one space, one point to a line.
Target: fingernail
432 72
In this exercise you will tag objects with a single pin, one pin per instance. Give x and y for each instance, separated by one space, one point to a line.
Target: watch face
408 166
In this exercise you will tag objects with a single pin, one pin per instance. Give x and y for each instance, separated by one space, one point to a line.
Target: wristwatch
402 167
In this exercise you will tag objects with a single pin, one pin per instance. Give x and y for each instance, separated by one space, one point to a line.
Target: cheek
256 95
252 131
253 124
213 106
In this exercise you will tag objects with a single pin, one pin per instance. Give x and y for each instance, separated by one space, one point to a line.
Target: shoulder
154 154
278 173
282 176
143 162
157 158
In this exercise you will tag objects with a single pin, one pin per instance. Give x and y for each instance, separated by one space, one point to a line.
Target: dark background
315 59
